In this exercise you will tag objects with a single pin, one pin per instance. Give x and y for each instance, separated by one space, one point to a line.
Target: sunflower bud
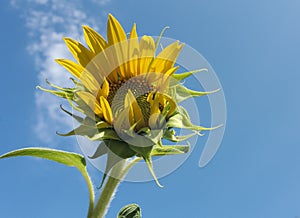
130 211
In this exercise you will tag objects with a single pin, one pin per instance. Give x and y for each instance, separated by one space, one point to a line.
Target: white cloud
48 21
102 2
42 2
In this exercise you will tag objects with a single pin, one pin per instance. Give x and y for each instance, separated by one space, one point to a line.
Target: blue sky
254 47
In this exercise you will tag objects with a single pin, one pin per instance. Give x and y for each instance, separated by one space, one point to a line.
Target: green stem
119 171
91 192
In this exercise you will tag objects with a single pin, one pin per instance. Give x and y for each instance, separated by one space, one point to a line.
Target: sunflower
128 93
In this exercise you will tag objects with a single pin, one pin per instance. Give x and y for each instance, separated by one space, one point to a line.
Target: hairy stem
118 173
91 192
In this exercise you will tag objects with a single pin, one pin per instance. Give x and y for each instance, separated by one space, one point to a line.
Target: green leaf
181 76
170 150
63 157
130 211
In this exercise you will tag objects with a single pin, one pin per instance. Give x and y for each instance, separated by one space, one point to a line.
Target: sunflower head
127 92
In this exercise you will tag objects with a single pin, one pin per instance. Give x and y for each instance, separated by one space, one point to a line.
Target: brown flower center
140 89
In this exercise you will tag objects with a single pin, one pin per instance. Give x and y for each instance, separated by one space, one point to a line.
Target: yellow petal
147 50
89 82
115 32
80 73
133 51
117 54
101 64
104 91
154 104
171 103
154 109
94 40
164 80
129 109
80 53
133 33
74 68
105 88
166 58
91 101
131 102
107 113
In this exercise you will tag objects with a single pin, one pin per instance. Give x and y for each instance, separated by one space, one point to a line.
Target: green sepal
116 151
72 104
67 93
130 211
170 150
181 76
77 118
79 86
68 90
156 46
100 151
82 107
170 135
93 133
120 148
146 139
145 153
60 94
144 130
181 93
160 36
182 120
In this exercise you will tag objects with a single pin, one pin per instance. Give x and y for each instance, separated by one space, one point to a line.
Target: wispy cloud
48 21
102 2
